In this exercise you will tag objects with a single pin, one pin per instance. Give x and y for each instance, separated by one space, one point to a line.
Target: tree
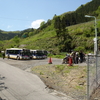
16 39
25 35
30 33
57 25
1 45
64 39
42 23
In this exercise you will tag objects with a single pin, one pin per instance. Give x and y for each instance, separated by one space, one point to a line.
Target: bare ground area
70 80
96 94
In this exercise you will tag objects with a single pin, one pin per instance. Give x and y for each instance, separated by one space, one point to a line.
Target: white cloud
36 24
9 26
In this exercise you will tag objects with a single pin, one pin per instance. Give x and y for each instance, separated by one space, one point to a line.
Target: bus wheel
18 58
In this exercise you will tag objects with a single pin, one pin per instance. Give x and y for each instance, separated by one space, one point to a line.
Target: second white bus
39 54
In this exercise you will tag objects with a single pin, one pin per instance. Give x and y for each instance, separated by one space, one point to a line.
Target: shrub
80 48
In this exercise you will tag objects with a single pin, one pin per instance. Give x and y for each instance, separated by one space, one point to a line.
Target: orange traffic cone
50 60
70 61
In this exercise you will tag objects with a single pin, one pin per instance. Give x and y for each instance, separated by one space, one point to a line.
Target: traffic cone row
70 61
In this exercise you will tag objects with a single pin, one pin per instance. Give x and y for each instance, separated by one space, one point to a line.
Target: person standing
81 56
3 55
73 54
76 57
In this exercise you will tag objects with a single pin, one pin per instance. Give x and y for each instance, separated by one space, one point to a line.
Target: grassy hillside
4 35
82 38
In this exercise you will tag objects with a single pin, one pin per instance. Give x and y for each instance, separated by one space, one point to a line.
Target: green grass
41 73
79 87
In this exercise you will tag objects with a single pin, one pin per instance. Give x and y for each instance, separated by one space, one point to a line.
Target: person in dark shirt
3 55
81 55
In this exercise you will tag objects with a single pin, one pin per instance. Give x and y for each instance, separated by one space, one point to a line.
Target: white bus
18 53
38 54
45 53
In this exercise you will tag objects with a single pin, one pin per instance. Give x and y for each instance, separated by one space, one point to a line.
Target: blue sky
22 14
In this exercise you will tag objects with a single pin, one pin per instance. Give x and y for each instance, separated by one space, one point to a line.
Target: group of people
77 57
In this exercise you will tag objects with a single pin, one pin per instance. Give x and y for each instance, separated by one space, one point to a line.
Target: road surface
18 84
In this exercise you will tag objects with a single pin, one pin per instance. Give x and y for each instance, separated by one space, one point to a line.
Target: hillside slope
4 35
82 37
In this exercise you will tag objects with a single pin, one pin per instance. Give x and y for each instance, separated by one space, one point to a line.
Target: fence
93 74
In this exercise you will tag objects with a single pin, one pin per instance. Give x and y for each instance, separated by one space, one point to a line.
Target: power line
15 19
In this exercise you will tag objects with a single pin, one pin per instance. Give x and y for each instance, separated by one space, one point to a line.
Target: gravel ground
28 64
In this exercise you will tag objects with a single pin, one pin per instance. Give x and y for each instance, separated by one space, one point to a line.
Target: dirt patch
96 94
70 80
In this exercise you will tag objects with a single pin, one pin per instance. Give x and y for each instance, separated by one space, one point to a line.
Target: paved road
25 64
21 85
18 84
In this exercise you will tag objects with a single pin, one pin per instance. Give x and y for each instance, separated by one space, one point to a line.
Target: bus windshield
26 53
38 53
